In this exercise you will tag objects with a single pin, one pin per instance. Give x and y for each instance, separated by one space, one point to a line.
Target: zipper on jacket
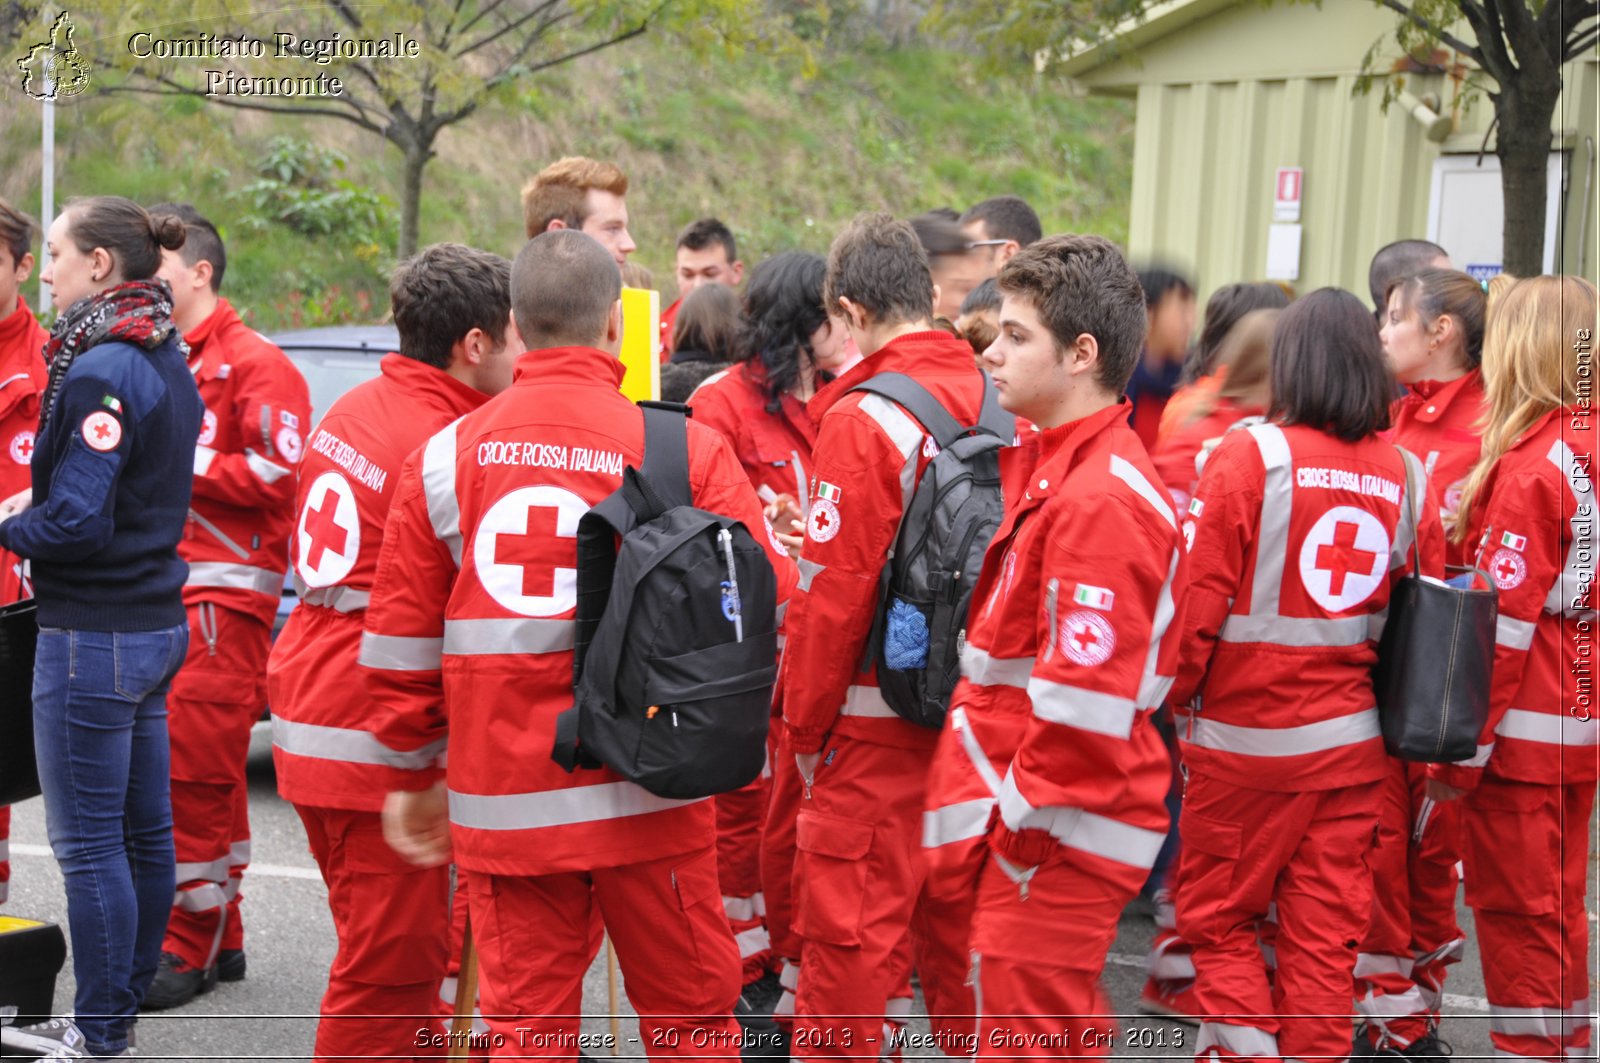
208 627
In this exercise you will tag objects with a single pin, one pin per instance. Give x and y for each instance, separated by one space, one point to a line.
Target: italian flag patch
828 491
1518 543
111 402
1093 597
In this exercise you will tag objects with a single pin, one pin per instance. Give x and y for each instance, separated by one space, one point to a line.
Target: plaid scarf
136 312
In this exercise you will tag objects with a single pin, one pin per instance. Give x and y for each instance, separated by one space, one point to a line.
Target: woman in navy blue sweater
111 476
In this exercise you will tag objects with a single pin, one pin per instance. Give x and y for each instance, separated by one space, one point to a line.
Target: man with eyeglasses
998 228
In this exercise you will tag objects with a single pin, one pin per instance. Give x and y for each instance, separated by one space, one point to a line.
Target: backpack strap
992 418
931 414
666 452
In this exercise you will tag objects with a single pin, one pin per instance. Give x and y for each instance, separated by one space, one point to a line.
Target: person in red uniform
452 308
1529 506
859 876
1300 526
468 648
257 410
582 194
1170 304
706 254
1202 373
22 380
1046 795
1433 339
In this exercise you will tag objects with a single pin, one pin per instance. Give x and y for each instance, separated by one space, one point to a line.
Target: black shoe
1361 1048
176 983
1428 1046
756 1001
230 965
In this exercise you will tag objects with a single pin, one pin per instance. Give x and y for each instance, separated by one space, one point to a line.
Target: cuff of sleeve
1462 778
421 779
203 457
1024 848
804 739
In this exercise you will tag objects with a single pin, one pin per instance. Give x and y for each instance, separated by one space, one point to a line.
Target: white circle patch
772 536
1188 534
329 538
1507 568
208 429
1087 637
519 561
102 431
288 443
823 523
22 447
1344 559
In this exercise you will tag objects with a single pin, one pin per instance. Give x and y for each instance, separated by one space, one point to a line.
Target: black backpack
920 627
676 637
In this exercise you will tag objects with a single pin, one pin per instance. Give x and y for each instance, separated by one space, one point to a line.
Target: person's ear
854 316
1083 356
737 270
202 275
100 264
614 323
555 223
937 292
24 267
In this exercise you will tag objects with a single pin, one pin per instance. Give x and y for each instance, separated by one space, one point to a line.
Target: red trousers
1526 848
777 872
216 697
393 923
862 910
1413 937
1244 850
536 937
740 814
1039 956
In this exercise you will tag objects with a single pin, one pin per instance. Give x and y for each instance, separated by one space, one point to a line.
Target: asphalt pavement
271 1015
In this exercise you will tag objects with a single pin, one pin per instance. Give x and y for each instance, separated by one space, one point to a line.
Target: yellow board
9 924
641 343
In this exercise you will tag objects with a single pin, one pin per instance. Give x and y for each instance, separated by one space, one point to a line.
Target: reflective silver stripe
808 572
1452 950
969 742
1280 741
207 871
205 897
556 808
1478 759
521 635
399 653
1154 690
221 536
866 701
904 432
752 942
439 488
1296 630
203 457
348 745
707 382
1087 710
1548 728
987 671
1576 572
239 854
226 574
780 612
1166 965
1153 687
741 908
956 823
897 1008
1373 964
1110 839
1129 474
5 850
268 472
1234 1040
1513 634
1527 1022
339 598
1272 537
1406 530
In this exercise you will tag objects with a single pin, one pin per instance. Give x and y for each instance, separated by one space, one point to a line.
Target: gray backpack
925 592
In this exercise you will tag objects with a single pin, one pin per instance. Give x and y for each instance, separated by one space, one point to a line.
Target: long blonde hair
1531 366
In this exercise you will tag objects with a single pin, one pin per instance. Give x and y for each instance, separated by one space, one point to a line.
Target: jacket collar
1059 446
16 326
569 366
207 360
419 378
912 353
1429 399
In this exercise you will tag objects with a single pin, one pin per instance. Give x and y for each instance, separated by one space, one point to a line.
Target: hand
807 763
794 540
782 509
416 824
1442 791
18 502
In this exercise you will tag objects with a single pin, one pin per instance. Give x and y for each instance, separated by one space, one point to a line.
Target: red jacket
1537 543
1071 646
669 322
1175 455
23 376
469 635
774 448
1297 539
257 410
868 457
322 743
1441 424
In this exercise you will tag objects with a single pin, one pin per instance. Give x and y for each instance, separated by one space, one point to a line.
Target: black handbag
1434 661
19 635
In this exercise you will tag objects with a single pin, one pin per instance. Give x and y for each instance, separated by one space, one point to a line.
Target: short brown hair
878 263
18 231
1328 370
563 286
558 192
444 292
708 320
1079 285
201 239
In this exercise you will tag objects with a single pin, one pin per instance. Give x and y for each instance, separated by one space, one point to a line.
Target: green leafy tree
1519 45
466 51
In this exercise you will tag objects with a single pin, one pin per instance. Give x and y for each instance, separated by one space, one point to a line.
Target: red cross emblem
1087 637
526 550
1342 557
538 551
329 539
1508 569
101 431
325 531
22 448
824 521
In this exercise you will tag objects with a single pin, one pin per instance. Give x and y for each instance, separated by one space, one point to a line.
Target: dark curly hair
782 308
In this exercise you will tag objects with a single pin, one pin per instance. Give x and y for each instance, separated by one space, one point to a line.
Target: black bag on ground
920 627
676 645
1434 659
19 635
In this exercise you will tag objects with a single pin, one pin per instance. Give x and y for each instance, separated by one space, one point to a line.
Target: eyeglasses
974 245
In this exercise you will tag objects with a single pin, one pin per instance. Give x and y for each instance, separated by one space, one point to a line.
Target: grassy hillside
780 157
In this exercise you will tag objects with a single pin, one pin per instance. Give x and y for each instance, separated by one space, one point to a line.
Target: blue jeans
100 733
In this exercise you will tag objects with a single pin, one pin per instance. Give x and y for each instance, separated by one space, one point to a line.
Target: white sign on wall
1466 212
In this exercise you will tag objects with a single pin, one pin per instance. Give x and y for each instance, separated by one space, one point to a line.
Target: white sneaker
53 1039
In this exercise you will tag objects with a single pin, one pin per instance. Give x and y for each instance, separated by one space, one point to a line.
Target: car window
329 374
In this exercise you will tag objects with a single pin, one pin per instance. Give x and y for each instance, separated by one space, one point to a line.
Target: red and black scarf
136 312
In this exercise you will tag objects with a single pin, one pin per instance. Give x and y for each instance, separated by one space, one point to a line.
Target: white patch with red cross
22 447
1507 568
823 523
526 550
102 431
329 539
1087 637
288 443
208 429
1344 559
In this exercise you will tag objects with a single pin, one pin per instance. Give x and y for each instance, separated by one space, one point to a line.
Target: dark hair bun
168 231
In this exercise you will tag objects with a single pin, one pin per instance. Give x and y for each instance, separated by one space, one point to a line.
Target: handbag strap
1416 512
